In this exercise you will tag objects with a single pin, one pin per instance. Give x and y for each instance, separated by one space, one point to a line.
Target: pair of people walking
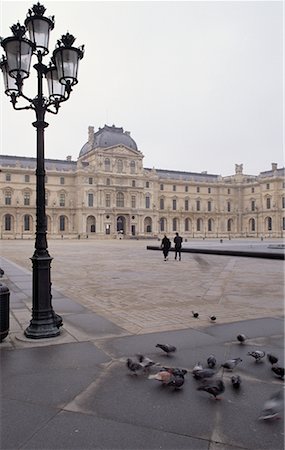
166 245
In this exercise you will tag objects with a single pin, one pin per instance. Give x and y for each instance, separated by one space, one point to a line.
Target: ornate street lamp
61 75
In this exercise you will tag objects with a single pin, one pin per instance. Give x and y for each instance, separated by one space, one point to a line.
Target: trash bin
4 311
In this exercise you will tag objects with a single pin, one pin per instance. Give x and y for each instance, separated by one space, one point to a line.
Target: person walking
177 246
165 245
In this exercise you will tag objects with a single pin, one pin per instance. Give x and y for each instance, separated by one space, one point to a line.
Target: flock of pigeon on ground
175 377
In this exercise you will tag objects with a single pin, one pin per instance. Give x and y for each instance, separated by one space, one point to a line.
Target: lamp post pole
61 75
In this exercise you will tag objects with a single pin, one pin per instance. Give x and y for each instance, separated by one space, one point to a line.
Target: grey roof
108 137
186 176
30 163
269 173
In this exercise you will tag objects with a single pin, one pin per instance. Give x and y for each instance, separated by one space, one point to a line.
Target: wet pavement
75 392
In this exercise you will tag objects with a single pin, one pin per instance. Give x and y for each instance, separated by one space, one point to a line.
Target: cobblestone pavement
135 289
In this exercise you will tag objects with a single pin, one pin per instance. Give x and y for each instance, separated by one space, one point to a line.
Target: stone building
108 193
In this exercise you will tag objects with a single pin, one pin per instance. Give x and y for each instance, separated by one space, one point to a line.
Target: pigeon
213 387
164 376
213 318
257 355
134 366
195 314
1 273
203 373
176 381
176 371
241 338
145 361
279 371
236 381
211 361
230 364
167 348
198 366
272 359
273 406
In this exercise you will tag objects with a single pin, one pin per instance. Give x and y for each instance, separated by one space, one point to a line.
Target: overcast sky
198 84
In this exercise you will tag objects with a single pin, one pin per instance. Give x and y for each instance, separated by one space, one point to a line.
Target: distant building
108 193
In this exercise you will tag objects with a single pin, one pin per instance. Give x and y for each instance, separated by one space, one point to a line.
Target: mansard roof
30 163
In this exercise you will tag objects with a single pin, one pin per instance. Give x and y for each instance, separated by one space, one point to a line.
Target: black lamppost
61 75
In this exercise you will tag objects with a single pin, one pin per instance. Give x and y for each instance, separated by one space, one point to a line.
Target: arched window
8 222
27 222
107 165
119 166
133 167
229 225
120 200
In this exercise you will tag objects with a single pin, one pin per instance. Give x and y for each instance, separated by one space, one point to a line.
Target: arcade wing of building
108 193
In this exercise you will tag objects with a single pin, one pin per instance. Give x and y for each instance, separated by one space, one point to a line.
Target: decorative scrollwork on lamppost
61 76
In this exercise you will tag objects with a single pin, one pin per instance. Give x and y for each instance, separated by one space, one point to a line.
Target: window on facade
199 224
119 166
107 165
8 222
147 184
187 224
162 224
133 201
269 224
229 206
283 202
174 188
283 223
62 223
8 177
229 225
268 186
8 198
133 167
209 190
108 181
198 205
252 225
198 189
133 183
209 206
174 204
147 201
252 205
210 225
61 180
108 200
174 224
90 200
161 203
90 180
186 188
268 203
252 190
62 200
120 200
27 178
161 187
26 222
229 191
186 204
26 198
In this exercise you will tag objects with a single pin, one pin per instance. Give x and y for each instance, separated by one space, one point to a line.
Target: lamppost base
41 331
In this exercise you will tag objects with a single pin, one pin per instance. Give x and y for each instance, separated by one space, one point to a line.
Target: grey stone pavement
118 299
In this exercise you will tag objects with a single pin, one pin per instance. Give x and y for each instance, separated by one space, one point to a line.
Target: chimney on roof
90 136
68 158
274 166
128 133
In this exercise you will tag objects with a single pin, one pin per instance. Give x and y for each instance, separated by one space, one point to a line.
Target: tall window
187 224
252 205
267 186
26 222
26 198
209 190
252 190
198 205
120 200
162 224
174 224
90 180
27 178
8 222
209 207
108 200
252 224
283 223
61 180
269 224
61 199
8 177
107 165
119 166
268 203
229 206
161 187
283 202
229 191
8 197
62 223
90 200
133 167
133 201
199 224
229 225
210 225
133 183
186 204
174 188
147 201
147 184
174 204
186 188
108 181
161 203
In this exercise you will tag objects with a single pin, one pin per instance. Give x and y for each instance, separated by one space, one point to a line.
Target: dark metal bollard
4 311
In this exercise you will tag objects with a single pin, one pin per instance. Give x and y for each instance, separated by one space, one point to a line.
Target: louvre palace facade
108 193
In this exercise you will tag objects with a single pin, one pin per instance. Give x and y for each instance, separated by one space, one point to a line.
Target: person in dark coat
165 245
177 246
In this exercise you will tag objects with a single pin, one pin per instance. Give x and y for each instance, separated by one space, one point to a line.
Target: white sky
198 84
